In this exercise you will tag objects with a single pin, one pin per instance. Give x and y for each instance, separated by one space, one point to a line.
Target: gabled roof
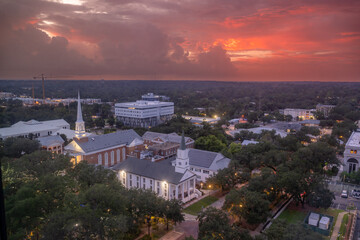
207 159
50 140
146 168
354 140
171 137
99 142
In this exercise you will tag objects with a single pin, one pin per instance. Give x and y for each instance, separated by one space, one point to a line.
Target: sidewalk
337 226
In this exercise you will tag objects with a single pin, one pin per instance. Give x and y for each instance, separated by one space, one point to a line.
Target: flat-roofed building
33 128
352 153
300 114
144 113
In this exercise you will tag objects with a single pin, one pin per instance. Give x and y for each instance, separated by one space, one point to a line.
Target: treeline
228 98
13 111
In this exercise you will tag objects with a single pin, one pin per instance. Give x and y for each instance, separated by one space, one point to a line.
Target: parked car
356 193
344 194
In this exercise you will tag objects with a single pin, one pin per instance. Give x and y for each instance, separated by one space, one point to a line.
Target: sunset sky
236 40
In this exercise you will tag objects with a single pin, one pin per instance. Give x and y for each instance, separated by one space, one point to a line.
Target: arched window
112 158
106 159
123 154
118 155
99 159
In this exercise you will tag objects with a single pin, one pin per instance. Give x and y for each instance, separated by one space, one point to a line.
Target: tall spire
182 144
79 112
79 124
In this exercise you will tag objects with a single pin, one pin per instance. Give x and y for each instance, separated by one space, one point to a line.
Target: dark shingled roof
146 168
201 158
108 140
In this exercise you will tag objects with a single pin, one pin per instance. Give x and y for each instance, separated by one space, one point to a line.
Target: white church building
169 181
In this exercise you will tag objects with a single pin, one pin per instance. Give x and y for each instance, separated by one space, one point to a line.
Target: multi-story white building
144 113
300 114
33 128
352 153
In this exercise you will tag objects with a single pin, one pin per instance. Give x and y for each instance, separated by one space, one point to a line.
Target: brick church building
107 149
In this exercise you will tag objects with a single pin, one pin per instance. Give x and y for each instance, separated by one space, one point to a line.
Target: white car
344 194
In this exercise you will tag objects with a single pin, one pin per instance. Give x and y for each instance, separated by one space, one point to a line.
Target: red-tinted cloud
227 40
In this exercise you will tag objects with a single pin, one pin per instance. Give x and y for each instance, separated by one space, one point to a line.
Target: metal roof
32 126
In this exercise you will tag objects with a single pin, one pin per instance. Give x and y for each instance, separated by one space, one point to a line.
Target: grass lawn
195 208
343 226
296 215
293 216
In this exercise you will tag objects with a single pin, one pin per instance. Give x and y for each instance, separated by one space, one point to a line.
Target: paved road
357 229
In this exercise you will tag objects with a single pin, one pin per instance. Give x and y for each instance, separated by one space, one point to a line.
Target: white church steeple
182 157
79 124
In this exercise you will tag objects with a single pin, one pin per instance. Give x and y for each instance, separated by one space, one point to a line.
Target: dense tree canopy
47 197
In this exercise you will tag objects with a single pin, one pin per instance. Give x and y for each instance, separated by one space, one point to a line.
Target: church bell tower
182 157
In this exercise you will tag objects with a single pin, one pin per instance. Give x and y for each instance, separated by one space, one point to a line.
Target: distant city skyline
234 40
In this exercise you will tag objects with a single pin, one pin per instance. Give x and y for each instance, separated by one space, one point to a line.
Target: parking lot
343 203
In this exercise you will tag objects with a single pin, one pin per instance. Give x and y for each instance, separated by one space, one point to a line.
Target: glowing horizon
239 40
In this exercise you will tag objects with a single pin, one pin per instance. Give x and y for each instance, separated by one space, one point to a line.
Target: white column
182 191
176 191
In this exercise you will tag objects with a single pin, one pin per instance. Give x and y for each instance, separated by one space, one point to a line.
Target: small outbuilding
324 223
314 219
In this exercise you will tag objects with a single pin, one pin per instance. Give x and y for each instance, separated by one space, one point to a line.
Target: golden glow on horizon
72 2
